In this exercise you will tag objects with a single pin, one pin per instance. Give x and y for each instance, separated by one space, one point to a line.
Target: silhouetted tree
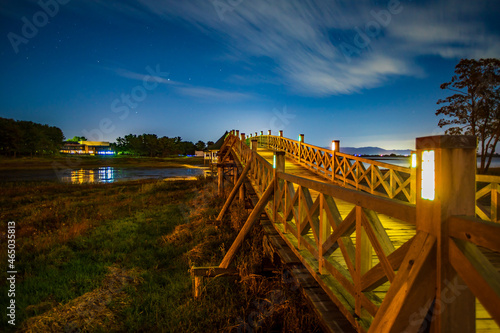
78 139
473 109
27 137
200 145
151 145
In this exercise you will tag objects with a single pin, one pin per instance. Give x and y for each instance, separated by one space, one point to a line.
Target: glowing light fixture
300 138
274 161
413 160
428 175
333 145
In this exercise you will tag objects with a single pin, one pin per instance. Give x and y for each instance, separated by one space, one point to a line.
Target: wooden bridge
376 247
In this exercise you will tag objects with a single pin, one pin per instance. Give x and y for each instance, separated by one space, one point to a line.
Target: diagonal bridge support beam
235 190
247 227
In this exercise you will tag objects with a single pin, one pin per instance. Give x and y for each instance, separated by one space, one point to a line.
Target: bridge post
243 138
235 174
254 144
335 150
269 139
237 132
220 180
446 171
278 166
413 177
301 140
241 193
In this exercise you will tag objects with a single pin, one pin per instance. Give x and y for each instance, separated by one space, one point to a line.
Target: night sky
364 72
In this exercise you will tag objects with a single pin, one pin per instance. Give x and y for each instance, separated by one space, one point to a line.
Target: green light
274 161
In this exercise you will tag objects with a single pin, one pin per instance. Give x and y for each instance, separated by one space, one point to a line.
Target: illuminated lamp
428 175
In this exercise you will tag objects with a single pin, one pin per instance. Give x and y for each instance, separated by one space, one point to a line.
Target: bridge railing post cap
447 141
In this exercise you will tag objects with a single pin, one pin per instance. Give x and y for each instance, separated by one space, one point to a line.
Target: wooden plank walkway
398 231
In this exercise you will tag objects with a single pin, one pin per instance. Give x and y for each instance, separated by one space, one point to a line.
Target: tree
150 144
77 139
200 145
473 109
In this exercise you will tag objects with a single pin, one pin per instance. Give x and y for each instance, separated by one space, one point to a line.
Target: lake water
101 174
406 161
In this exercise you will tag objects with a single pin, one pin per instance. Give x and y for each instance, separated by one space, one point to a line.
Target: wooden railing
487 195
382 179
369 253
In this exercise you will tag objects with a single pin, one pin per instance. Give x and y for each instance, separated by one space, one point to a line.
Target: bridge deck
398 231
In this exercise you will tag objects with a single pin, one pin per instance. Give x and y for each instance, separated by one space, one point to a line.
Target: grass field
116 257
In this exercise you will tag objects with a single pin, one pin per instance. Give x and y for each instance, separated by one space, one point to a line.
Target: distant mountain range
373 151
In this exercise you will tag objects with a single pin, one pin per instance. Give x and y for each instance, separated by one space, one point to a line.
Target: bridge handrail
306 214
300 205
379 178
487 197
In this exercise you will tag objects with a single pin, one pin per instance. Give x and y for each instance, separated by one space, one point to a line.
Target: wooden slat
247 227
400 210
381 254
479 232
345 242
412 290
488 179
375 277
344 229
234 191
479 274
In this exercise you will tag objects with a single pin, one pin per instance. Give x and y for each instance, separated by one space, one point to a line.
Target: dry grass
91 311
258 300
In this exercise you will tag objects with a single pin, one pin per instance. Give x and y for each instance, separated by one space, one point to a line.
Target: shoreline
72 162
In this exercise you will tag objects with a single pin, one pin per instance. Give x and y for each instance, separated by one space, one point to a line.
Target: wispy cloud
125 73
304 37
205 93
213 94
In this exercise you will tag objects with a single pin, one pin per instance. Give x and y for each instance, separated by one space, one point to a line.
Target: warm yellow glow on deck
428 175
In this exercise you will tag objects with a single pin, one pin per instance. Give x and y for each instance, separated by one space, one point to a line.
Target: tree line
26 138
23 138
153 146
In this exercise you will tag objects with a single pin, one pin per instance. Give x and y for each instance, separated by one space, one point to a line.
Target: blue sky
364 72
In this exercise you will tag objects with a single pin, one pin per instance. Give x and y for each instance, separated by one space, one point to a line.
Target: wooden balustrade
386 263
487 197
374 177
382 179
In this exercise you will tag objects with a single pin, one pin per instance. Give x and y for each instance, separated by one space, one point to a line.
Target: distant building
211 152
87 148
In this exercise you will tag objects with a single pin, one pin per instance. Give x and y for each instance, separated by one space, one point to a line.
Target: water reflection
112 174
81 176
